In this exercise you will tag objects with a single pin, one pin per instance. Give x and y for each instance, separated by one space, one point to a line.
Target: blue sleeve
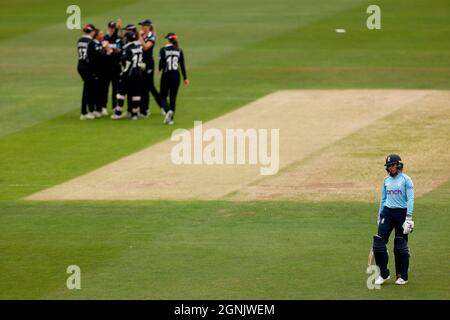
409 197
383 198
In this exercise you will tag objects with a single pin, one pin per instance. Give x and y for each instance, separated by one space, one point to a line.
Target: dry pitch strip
331 146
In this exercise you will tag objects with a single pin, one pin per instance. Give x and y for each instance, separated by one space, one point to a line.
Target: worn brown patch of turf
352 168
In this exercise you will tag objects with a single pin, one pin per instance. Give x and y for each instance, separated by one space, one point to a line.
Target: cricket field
103 195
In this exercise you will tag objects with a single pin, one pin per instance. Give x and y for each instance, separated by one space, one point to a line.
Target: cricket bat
370 260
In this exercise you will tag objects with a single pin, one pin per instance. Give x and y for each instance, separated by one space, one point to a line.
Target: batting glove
408 225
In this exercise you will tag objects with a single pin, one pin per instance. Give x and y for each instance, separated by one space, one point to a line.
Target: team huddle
123 60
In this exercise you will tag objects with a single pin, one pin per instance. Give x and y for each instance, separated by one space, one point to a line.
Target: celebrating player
171 60
130 27
86 48
147 37
102 62
131 76
395 213
113 70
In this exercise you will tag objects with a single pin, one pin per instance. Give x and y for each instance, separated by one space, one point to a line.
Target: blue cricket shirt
398 192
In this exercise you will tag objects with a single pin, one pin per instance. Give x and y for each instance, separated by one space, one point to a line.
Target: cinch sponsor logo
395 192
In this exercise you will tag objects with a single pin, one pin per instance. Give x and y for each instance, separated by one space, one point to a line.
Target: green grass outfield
236 51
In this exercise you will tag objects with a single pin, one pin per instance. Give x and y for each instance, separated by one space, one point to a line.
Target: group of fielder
123 60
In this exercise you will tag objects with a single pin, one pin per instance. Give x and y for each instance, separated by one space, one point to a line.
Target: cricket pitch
331 144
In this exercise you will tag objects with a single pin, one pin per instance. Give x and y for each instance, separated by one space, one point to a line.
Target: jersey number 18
172 63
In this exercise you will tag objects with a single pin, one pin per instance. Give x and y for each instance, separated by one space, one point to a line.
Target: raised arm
119 26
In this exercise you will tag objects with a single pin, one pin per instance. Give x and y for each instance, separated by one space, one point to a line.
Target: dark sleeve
124 56
182 65
91 50
100 50
152 38
162 59
120 43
